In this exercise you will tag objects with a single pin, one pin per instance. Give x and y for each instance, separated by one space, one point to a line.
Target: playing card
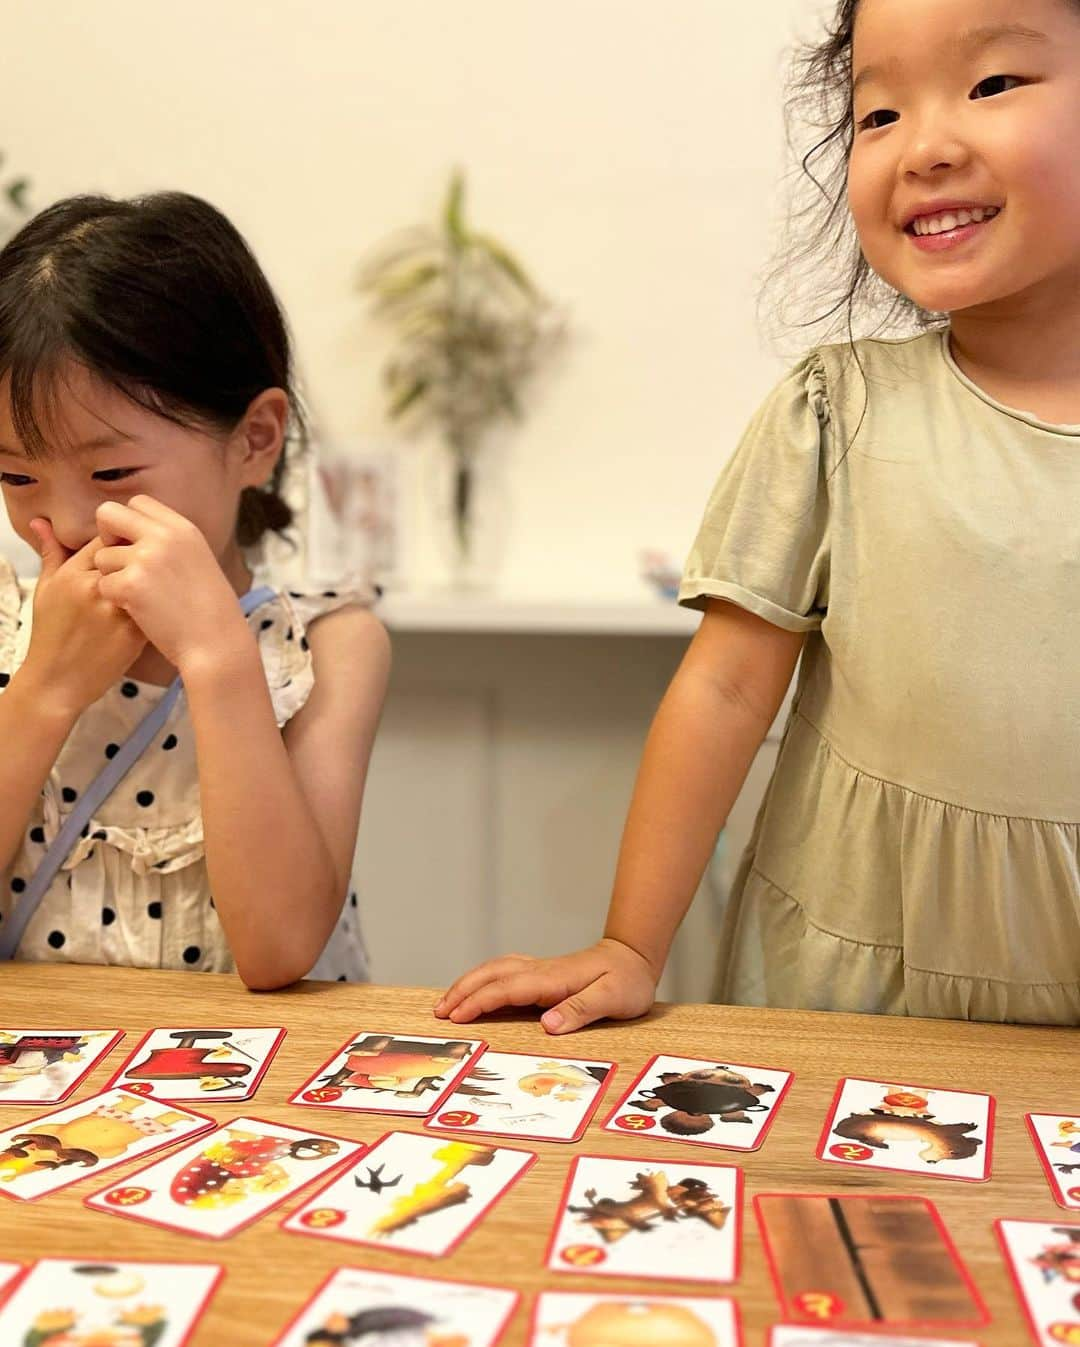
8 1273
63 1301
390 1073
511 1094
226 1180
909 1128
356 1306
1057 1142
795 1335
1043 1258
421 1194
865 1262
218 1064
45 1066
648 1218
703 1101
58 1149
565 1319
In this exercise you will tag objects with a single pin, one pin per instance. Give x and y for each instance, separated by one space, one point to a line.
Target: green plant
14 204
470 328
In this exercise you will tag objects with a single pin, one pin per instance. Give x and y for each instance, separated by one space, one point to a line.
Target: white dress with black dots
134 889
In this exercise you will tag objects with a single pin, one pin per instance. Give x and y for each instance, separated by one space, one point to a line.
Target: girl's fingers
84 558
593 1002
531 988
154 509
118 523
108 537
109 588
53 553
116 589
111 559
476 977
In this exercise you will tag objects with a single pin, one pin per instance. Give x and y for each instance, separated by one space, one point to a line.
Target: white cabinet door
497 796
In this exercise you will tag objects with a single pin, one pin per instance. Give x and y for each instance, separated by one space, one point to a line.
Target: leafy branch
13 202
471 329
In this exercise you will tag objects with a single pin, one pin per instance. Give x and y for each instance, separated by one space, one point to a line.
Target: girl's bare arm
703 739
281 808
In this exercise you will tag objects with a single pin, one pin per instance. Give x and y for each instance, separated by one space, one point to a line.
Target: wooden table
269 1273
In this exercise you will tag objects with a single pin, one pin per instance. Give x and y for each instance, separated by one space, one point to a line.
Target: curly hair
819 277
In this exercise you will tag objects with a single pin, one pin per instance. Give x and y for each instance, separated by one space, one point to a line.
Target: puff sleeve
764 541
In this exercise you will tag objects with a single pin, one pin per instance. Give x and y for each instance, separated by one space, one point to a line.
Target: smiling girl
903 515
145 403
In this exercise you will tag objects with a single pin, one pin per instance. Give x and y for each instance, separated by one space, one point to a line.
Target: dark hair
160 297
819 277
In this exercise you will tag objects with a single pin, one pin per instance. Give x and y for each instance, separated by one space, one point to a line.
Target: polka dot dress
134 889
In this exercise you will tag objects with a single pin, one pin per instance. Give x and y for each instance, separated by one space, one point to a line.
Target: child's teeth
940 224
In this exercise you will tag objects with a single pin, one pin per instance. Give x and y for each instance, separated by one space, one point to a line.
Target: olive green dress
917 848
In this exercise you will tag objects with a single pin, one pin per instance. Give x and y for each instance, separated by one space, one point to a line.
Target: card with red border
225 1181
804 1335
217 1065
367 1306
82 1140
407 1074
9 1275
1056 1137
91 1301
566 1318
909 1129
648 1218
530 1098
702 1101
46 1066
412 1192
865 1261
1043 1258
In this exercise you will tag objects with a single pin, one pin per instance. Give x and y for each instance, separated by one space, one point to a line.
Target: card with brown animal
709 1102
647 1218
910 1129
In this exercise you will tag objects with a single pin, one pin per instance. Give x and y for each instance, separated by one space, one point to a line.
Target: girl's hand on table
80 642
608 980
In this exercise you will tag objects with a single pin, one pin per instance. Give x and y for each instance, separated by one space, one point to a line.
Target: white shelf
488 613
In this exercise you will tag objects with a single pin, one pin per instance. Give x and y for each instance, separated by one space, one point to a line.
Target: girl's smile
936 226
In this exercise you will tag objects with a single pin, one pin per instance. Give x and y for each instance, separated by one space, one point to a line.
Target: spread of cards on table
466 1125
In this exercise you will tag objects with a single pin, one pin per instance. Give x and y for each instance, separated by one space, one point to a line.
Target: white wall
628 150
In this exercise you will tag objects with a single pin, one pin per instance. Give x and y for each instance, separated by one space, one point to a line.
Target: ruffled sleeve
11 602
281 627
764 541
